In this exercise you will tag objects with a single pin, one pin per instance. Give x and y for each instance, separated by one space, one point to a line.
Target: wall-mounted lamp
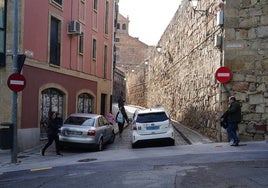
194 4
159 48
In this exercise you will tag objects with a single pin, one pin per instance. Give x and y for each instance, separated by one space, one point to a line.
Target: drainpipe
14 150
220 89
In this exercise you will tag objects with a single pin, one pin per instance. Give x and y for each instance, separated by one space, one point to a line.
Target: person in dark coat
54 123
121 101
232 116
120 118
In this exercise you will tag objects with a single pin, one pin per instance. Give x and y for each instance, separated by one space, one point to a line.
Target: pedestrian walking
54 123
121 117
232 116
121 100
110 118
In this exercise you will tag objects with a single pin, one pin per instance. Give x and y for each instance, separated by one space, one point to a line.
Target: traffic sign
16 82
223 74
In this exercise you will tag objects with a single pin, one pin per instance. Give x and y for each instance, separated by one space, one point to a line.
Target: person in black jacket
54 123
120 118
232 116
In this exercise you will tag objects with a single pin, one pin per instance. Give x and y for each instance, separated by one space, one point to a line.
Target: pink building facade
69 49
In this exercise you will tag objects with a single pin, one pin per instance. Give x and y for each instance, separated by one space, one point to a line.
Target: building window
116 40
3 32
82 10
124 26
116 49
81 43
59 2
85 103
117 58
106 26
95 5
55 43
94 49
105 61
95 15
118 26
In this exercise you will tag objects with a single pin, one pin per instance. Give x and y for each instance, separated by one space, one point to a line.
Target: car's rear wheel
112 138
172 142
134 145
100 145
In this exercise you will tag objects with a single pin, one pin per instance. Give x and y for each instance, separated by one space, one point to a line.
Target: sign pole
14 150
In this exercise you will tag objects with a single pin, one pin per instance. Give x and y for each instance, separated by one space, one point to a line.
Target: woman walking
52 133
121 117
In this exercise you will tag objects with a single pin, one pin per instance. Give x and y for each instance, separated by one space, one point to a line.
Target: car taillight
91 133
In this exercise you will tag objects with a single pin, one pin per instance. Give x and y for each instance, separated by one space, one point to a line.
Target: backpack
120 117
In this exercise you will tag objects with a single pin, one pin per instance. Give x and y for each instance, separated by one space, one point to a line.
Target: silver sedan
90 130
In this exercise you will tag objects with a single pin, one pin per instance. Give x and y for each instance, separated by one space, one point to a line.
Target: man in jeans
233 117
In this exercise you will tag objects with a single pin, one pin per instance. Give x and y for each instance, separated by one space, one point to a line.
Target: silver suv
151 124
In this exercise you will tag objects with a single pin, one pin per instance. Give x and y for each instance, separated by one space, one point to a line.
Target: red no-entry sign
223 74
16 82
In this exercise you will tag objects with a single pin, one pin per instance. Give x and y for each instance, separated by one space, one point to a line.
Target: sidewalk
33 161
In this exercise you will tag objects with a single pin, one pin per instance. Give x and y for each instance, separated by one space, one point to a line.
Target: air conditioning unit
74 28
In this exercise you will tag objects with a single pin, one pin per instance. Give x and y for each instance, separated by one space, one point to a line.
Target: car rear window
82 121
151 117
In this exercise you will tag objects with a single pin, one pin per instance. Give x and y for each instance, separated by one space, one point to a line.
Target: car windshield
151 117
82 121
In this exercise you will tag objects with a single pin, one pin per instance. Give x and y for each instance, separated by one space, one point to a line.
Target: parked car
86 130
150 125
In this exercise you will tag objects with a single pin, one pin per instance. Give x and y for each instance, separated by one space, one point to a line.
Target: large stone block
240 86
250 78
241 34
252 33
256 99
231 22
233 4
260 108
245 3
264 20
252 117
262 32
249 22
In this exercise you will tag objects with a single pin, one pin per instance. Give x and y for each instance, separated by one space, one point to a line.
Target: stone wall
182 76
246 53
137 86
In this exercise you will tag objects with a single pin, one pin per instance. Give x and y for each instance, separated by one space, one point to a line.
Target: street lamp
159 48
194 4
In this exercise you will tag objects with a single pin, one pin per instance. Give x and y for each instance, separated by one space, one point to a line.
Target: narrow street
183 135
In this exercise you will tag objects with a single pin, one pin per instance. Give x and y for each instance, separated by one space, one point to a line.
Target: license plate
73 133
152 128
